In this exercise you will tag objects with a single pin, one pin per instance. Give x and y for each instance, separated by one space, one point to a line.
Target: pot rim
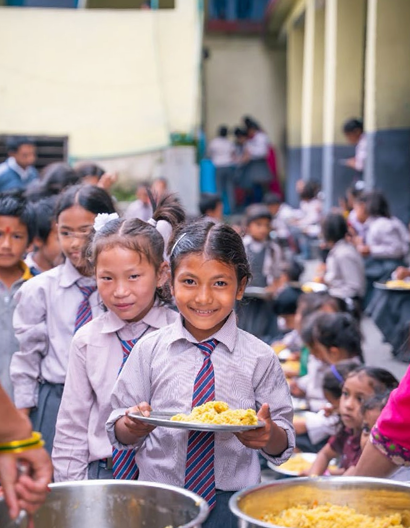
234 500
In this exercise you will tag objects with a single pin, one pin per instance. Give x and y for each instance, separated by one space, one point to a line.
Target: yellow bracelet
33 442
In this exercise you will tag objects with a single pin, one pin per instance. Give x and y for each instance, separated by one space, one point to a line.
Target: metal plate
163 419
257 293
299 404
309 457
382 286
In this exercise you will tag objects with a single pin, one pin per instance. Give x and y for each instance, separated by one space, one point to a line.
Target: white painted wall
243 76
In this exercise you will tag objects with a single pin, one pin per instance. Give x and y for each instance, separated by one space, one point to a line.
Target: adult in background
18 170
221 152
257 147
353 131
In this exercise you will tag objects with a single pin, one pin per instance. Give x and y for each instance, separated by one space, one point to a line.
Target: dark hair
357 189
272 199
256 212
250 122
45 216
86 168
222 131
90 197
381 380
378 402
334 227
13 203
339 330
311 302
58 176
14 143
215 241
293 269
286 302
209 202
309 191
352 124
335 376
139 236
376 204
307 329
239 132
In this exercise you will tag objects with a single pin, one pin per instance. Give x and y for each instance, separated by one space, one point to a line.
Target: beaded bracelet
19 446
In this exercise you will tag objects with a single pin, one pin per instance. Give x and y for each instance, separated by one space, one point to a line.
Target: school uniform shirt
258 145
360 153
32 264
221 151
272 260
345 276
139 209
387 238
12 176
44 322
95 359
162 370
312 383
8 342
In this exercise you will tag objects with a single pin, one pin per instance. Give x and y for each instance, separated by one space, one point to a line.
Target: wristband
19 446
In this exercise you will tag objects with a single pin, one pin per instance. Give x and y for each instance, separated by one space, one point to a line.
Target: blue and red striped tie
199 472
124 466
84 314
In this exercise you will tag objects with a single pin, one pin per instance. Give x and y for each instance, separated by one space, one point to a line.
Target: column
343 90
312 93
294 110
387 102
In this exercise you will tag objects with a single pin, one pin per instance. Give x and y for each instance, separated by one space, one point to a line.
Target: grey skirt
44 417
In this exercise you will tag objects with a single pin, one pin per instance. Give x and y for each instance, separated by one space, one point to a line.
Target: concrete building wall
245 77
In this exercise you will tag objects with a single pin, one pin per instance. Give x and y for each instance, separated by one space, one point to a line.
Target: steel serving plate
383 286
163 419
366 495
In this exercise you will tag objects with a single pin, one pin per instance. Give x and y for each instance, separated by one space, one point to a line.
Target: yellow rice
331 516
218 413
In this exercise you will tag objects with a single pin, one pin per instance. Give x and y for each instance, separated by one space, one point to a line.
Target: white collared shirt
44 322
162 369
23 173
95 360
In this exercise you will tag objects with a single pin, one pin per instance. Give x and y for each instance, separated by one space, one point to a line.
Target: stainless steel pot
117 504
367 495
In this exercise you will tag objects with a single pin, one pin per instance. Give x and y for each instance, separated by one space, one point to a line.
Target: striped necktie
124 466
84 314
199 471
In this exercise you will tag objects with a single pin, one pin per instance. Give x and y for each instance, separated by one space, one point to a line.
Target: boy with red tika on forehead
17 229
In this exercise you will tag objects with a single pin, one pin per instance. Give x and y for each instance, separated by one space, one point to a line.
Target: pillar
343 90
294 110
312 92
387 102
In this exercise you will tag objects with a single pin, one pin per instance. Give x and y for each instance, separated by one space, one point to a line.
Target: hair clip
176 243
102 219
337 374
152 222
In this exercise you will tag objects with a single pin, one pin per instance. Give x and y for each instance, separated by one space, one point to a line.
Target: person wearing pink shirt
132 282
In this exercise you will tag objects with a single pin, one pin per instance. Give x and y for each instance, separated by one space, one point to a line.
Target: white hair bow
103 218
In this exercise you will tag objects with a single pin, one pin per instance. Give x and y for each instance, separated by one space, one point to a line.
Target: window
50 149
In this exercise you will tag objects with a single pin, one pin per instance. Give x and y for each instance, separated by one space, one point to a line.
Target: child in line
265 258
46 252
132 282
371 411
17 230
209 272
52 307
360 385
211 207
344 268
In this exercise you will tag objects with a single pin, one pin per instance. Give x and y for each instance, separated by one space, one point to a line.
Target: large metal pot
117 504
367 495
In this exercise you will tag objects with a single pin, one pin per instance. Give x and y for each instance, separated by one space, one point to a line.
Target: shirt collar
156 318
23 173
227 335
69 275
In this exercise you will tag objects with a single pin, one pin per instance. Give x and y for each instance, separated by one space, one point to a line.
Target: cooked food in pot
331 516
